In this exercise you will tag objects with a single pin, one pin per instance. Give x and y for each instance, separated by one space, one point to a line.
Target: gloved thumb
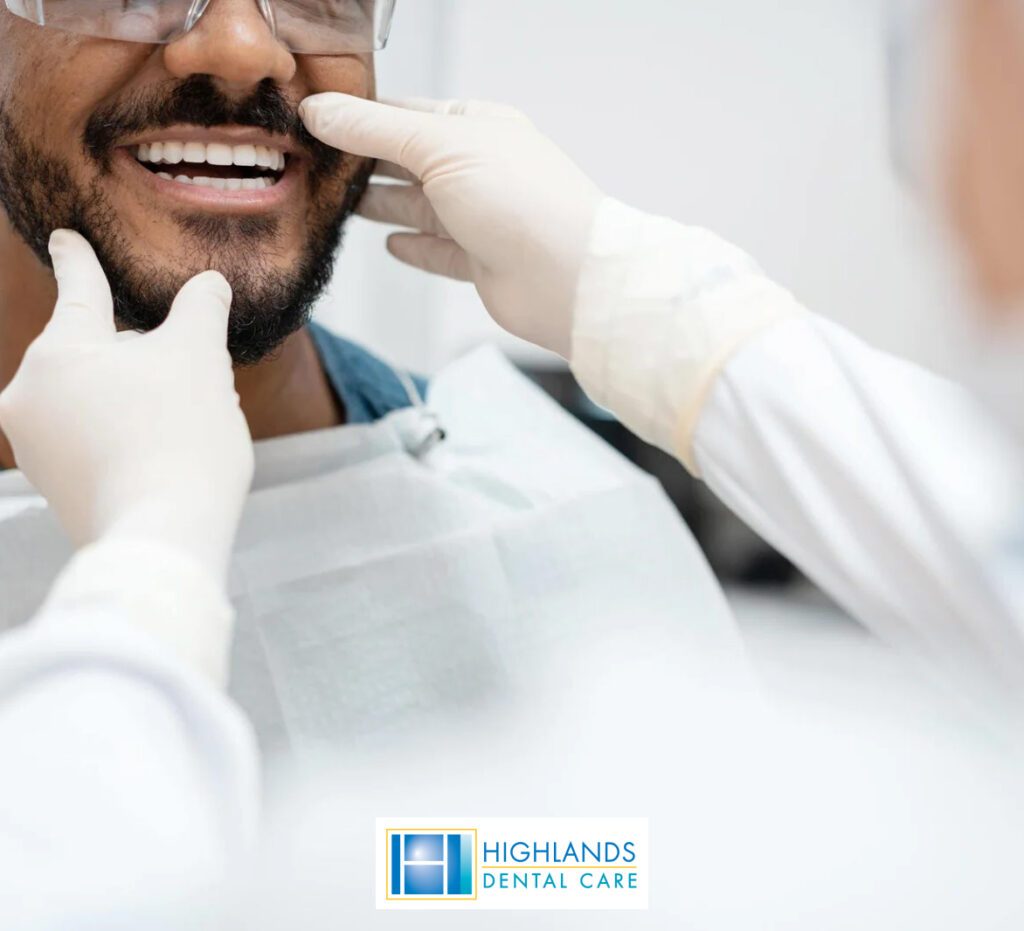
199 313
85 307
374 130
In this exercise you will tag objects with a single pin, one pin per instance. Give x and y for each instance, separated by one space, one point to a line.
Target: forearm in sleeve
883 482
125 765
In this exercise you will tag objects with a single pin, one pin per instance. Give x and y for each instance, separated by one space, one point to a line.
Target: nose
233 42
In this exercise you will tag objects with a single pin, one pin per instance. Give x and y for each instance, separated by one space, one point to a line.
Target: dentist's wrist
153 586
188 524
660 309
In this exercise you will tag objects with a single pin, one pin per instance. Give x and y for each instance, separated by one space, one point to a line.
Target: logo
425 864
511 863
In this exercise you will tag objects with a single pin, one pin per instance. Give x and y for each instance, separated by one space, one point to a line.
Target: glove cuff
659 310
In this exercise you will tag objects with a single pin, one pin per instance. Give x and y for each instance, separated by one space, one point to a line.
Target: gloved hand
495 202
132 435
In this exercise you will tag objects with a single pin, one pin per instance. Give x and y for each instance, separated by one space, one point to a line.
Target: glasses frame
34 11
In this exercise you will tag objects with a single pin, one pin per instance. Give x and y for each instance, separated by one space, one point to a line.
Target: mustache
198 101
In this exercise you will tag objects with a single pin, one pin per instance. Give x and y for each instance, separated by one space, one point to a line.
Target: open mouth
215 165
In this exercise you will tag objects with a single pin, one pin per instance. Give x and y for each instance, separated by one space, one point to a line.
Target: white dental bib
383 580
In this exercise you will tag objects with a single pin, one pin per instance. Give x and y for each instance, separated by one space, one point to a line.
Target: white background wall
763 121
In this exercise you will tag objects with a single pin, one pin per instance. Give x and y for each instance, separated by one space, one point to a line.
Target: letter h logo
426 864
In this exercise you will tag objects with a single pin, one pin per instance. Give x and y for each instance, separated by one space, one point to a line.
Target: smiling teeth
221 184
214 153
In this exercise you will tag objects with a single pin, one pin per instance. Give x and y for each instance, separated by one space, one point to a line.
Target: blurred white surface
764 122
860 809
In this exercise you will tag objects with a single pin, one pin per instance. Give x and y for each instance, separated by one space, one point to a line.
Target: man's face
74 112
986 152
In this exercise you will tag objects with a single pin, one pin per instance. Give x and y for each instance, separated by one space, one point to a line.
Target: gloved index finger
85 306
372 129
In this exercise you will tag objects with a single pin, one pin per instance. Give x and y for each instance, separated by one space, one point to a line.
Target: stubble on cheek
38 193
45 183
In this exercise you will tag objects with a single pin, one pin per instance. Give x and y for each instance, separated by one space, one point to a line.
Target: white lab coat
888 485
127 773
883 482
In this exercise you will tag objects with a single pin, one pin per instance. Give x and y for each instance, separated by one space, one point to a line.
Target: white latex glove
494 201
128 435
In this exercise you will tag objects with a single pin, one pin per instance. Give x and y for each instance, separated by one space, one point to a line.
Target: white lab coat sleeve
886 484
128 775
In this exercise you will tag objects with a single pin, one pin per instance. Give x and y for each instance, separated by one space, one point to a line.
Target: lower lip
210 198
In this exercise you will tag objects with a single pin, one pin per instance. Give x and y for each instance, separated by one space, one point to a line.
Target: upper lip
229 135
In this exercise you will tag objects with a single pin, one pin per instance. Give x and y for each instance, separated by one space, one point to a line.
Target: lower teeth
221 184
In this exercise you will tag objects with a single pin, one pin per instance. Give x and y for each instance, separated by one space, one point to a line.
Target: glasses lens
918 32
129 20
312 27
334 27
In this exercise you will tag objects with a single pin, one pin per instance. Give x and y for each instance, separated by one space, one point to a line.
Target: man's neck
286 393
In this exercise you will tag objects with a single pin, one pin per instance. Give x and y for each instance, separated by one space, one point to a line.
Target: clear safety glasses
918 54
306 27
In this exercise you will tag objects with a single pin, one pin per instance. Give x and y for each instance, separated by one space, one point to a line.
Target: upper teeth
213 153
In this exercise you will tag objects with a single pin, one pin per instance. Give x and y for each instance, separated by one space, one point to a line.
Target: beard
39 195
